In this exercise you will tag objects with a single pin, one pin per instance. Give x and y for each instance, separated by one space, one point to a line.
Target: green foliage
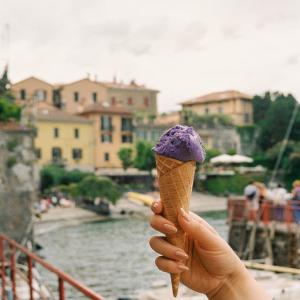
12 144
210 153
231 151
9 110
209 121
11 161
4 82
144 159
261 105
53 175
222 185
125 155
93 186
274 118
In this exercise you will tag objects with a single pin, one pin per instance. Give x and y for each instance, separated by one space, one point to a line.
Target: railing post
61 289
29 263
2 259
13 270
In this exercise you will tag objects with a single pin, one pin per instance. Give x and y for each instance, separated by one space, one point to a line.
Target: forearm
240 286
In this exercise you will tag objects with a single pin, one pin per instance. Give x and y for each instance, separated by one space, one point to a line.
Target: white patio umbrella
241 159
222 159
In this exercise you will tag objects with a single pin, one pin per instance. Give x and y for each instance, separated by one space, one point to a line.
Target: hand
208 265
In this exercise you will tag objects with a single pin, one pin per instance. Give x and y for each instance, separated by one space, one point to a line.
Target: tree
4 82
9 110
125 155
144 159
274 124
93 186
261 104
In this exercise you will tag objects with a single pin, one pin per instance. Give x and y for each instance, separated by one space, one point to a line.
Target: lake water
113 258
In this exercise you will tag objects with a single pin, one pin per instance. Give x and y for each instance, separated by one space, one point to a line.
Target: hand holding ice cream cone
176 154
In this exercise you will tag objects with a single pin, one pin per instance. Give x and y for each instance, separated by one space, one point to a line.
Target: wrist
239 285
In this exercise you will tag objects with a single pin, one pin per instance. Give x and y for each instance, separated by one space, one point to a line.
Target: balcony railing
8 253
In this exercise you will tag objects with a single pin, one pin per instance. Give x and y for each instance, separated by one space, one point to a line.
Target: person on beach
209 265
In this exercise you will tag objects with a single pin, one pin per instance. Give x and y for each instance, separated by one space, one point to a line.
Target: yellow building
236 105
113 129
64 138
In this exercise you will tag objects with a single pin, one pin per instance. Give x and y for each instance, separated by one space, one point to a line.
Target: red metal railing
240 209
31 257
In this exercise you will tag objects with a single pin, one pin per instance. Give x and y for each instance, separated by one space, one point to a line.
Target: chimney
88 75
115 78
95 77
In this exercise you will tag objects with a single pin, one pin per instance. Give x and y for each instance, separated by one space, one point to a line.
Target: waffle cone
175 179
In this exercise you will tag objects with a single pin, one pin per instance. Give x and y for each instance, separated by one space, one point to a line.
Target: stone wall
18 183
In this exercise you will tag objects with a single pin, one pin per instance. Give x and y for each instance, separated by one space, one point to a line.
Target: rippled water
112 258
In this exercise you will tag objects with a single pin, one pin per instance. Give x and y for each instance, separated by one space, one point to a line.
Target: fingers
199 231
170 266
156 207
162 225
161 246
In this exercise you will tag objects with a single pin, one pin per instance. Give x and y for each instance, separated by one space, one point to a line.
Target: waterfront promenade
58 217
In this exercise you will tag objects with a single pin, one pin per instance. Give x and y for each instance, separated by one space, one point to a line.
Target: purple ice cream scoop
182 143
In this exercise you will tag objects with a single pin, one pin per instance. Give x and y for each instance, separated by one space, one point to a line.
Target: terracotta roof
32 78
13 126
102 108
218 96
53 114
131 86
168 119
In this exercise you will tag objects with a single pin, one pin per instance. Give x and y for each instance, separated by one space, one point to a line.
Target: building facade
73 97
64 139
112 130
234 104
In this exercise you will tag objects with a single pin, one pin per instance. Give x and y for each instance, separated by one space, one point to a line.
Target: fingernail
155 205
181 254
185 215
182 267
170 228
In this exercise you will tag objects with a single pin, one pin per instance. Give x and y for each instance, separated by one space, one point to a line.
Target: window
38 153
76 153
113 101
40 95
220 109
126 124
246 118
146 101
94 97
56 153
106 138
129 101
76 96
207 110
127 138
106 123
76 133
23 94
106 156
56 132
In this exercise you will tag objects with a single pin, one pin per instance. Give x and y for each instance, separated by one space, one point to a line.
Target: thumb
199 231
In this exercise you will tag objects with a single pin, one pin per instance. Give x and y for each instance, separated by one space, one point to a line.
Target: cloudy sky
183 48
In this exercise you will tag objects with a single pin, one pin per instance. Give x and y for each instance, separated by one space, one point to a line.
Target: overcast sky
183 48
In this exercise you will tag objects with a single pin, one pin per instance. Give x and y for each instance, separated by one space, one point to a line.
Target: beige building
113 129
75 96
32 90
236 105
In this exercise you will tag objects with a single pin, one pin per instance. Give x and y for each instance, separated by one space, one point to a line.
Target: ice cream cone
175 179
